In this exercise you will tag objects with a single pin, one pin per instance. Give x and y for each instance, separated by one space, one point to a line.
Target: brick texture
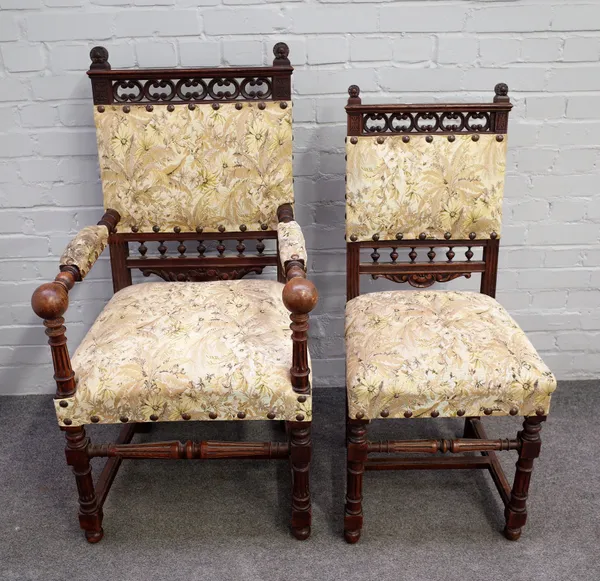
548 52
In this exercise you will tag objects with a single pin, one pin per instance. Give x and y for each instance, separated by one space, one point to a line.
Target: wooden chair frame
438 119
179 87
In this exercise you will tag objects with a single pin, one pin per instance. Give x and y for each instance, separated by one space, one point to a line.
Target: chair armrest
50 301
300 296
85 248
291 242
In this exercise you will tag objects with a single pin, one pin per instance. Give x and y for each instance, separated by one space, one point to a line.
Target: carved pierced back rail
137 108
392 229
190 85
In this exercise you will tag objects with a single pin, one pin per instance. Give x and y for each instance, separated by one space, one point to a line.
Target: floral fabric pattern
291 242
85 248
175 351
440 351
196 168
410 188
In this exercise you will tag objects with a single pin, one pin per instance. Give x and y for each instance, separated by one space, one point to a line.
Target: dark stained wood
190 85
438 118
490 275
112 465
300 297
352 270
191 450
452 463
90 510
357 450
434 446
50 302
516 509
496 471
300 457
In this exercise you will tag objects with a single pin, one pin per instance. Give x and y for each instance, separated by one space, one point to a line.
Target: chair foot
352 537
512 534
94 536
301 533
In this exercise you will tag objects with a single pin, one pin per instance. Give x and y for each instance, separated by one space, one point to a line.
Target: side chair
425 184
192 162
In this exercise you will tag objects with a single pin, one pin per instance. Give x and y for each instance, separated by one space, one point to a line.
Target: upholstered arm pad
291 242
85 248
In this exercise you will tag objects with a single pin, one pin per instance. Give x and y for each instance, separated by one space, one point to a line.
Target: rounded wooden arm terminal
300 295
51 300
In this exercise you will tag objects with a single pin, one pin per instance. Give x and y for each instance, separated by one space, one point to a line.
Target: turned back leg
90 513
356 444
516 509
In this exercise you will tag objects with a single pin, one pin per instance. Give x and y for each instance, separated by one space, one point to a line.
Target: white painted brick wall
546 50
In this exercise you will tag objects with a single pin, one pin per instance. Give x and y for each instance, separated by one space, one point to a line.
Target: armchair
202 156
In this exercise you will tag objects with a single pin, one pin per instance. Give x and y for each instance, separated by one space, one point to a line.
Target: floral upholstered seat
186 351
451 353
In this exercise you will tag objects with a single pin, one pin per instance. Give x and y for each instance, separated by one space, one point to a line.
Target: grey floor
171 520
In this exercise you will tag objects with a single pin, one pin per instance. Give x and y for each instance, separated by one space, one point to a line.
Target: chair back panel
197 157
434 184
425 181
206 166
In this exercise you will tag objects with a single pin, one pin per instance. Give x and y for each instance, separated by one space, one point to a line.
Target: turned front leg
516 509
90 513
300 455
356 444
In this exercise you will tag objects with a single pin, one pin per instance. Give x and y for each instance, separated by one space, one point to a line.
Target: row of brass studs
422 236
192 106
434 414
429 138
199 229
212 415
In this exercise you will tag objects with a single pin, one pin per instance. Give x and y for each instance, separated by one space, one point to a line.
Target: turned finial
99 56
281 52
501 93
354 95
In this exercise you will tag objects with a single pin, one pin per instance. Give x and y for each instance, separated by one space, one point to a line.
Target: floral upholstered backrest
404 186
203 166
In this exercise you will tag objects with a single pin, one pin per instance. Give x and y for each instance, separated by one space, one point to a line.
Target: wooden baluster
201 249
162 249
375 255
300 456
260 247
357 451
394 254
450 254
431 254
221 248
143 249
300 298
241 247
516 509
181 249
412 254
